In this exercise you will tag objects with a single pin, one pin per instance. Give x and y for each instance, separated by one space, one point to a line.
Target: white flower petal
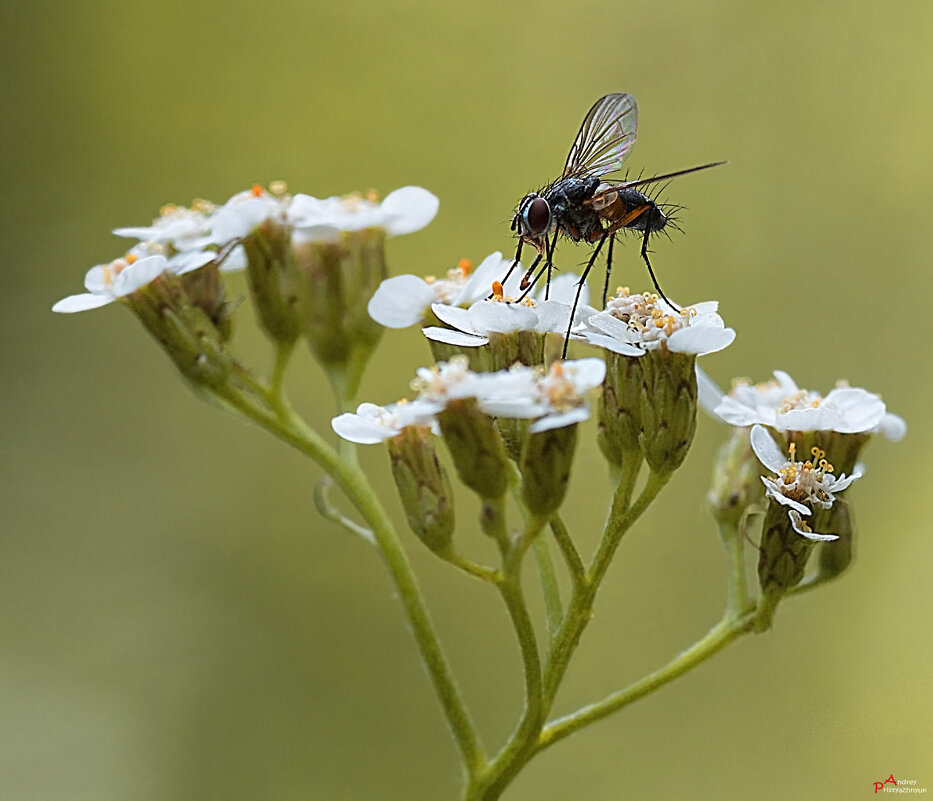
486 316
553 316
700 339
613 344
453 316
410 209
860 410
708 392
400 301
479 284
99 279
564 289
585 374
83 302
797 522
561 419
138 274
189 260
452 337
234 260
766 449
740 414
893 427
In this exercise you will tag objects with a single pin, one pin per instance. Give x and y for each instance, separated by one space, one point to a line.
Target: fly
585 207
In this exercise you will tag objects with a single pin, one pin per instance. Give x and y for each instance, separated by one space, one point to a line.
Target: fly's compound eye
537 216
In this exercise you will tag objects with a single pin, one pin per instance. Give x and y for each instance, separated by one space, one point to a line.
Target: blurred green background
177 623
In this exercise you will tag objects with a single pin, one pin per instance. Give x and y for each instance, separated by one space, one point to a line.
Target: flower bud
335 280
620 407
270 271
668 408
476 448
735 485
423 487
184 329
835 557
546 465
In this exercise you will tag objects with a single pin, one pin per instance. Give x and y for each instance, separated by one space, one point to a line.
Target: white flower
402 212
781 405
404 300
632 324
471 327
371 423
553 400
798 485
108 282
182 228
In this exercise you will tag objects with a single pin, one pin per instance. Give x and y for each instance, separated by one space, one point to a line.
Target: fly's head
532 221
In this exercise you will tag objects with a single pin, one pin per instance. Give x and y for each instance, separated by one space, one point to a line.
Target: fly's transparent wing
605 138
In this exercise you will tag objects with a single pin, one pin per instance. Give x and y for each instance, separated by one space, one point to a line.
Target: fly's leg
612 241
518 256
580 285
654 280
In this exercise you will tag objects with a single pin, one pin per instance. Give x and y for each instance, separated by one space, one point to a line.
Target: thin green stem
553 607
330 512
734 541
489 783
723 633
293 430
621 518
468 566
568 551
283 354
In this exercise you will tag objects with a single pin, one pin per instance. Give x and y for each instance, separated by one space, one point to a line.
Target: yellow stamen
464 265
497 291
278 188
256 190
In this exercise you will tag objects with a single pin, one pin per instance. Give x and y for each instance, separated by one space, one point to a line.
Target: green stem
351 480
489 783
554 609
723 633
734 540
621 518
568 551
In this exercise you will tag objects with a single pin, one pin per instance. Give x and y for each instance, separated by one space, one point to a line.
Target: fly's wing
605 138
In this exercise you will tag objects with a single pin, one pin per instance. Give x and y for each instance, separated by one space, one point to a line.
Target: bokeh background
175 620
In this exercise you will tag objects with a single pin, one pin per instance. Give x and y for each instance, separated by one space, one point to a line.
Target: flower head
634 323
404 300
503 313
783 406
801 486
311 219
108 282
371 423
183 228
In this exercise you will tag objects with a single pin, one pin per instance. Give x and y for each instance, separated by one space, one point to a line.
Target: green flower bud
668 407
546 469
619 411
835 557
476 448
736 484
184 330
423 487
335 280
270 270
782 561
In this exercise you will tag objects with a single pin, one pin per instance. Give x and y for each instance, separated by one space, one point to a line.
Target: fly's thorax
652 220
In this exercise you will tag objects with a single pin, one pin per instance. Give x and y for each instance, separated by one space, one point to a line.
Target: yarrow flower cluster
783 406
635 323
506 409
801 486
552 399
